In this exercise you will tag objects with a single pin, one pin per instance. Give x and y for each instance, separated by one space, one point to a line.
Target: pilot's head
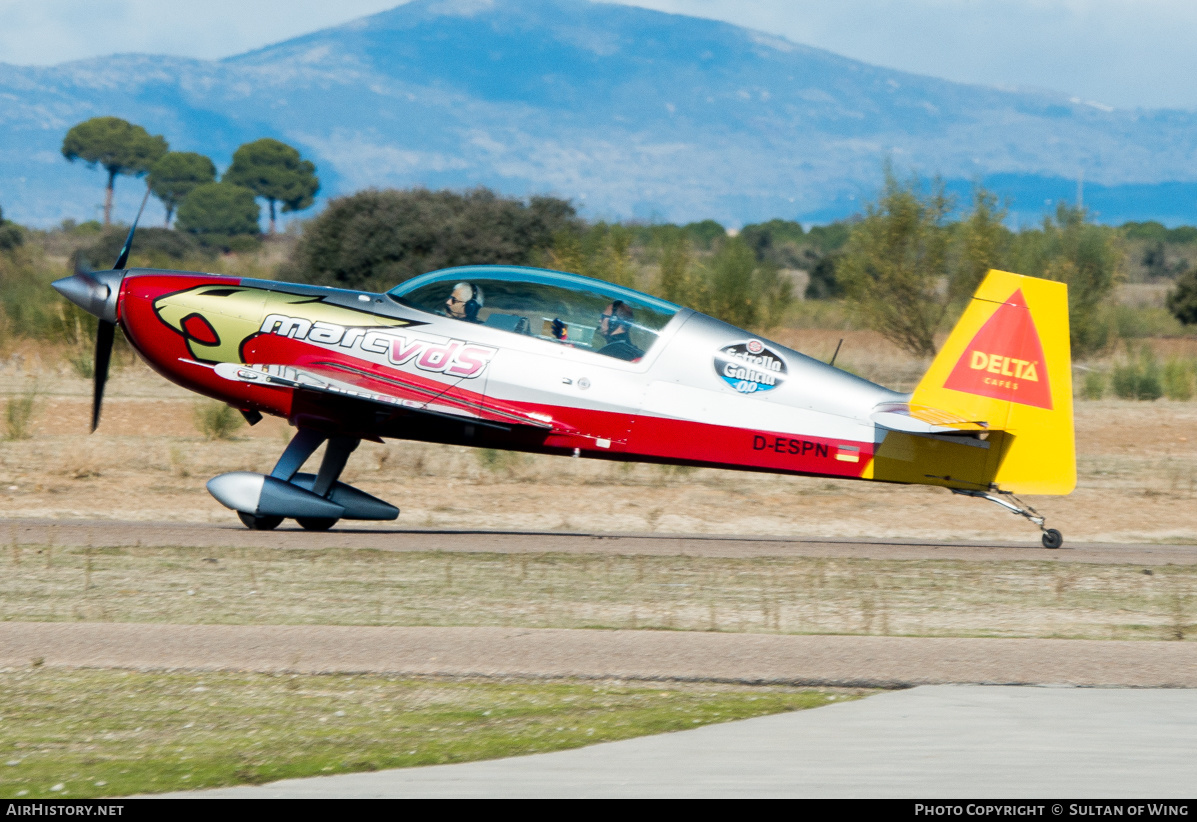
615 321
464 302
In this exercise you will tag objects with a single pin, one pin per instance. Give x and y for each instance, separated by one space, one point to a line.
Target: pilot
464 303
615 325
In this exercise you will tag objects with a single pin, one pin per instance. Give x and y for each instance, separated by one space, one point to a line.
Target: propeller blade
124 256
105 334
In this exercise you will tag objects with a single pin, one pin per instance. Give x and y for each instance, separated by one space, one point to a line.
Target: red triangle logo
1005 359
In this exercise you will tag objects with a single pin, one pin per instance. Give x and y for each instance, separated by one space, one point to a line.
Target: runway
935 742
103 533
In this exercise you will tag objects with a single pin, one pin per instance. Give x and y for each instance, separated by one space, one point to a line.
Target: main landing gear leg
1051 537
302 445
335 456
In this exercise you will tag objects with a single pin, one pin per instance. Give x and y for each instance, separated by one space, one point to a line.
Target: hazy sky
1126 53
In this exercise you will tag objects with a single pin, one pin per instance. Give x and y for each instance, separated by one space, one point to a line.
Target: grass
79 733
755 595
18 414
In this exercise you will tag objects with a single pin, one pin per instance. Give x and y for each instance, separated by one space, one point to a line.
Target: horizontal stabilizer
921 419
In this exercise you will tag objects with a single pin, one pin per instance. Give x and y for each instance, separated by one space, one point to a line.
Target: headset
474 304
617 323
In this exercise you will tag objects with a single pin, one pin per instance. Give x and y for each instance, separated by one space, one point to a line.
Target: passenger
464 303
615 325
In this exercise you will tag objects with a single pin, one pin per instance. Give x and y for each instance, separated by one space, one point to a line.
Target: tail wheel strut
1051 537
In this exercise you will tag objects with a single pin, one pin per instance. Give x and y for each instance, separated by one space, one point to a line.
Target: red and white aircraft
547 362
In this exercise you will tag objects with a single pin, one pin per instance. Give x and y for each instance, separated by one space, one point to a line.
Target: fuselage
702 392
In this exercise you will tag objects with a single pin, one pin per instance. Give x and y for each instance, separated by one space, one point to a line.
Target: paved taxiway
935 741
100 533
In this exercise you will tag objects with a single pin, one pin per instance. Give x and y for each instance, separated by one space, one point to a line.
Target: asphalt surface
859 661
103 533
934 742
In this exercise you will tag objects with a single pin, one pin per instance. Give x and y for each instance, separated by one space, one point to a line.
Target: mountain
629 112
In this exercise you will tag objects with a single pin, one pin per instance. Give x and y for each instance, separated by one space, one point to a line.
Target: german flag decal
1005 359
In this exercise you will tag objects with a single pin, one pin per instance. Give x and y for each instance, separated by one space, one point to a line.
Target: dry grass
757 595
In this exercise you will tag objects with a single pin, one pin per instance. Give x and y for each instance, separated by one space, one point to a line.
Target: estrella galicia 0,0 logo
750 367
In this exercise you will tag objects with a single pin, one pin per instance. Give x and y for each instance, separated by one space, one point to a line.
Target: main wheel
316 523
1052 538
259 523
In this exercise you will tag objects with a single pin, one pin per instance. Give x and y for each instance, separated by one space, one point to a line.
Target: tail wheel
259 523
316 523
1052 538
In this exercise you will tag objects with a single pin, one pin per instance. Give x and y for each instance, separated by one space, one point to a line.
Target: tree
1182 300
118 146
778 242
609 254
823 284
896 261
219 211
1087 257
381 238
174 176
738 289
981 242
11 235
675 282
705 233
275 172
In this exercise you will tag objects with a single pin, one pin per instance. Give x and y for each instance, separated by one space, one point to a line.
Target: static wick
837 351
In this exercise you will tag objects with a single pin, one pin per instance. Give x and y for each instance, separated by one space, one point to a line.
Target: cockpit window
550 305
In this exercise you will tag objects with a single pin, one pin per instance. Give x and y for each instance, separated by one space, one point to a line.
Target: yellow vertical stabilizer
1007 363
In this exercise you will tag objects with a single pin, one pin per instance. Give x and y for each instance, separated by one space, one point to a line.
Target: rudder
1007 363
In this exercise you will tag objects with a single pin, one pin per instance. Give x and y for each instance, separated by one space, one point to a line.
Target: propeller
96 293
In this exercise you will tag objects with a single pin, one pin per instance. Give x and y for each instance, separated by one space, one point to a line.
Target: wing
393 390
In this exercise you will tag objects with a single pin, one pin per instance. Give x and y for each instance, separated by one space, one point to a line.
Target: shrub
1139 378
500 462
1094 385
29 307
1139 322
161 245
216 420
1178 379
